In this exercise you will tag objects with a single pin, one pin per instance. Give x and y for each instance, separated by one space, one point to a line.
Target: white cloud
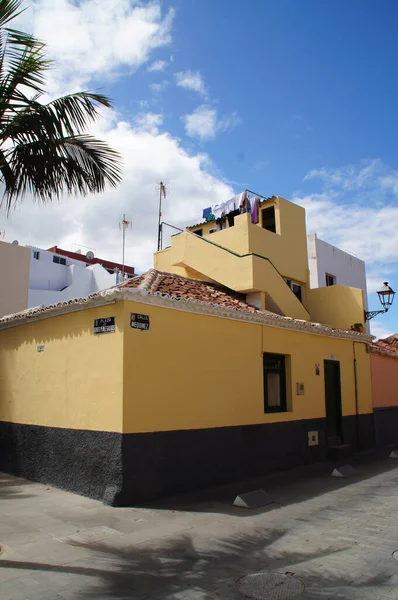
159 87
93 38
357 210
369 232
158 65
349 177
379 330
204 123
190 80
149 157
149 122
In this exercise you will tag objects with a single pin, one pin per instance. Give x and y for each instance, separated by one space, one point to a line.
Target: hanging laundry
221 223
224 208
231 217
244 204
230 205
255 211
218 210
206 212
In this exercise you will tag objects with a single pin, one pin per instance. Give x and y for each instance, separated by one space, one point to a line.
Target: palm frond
68 115
73 164
43 148
25 67
9 9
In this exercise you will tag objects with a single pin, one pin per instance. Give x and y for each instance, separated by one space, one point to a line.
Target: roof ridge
147 281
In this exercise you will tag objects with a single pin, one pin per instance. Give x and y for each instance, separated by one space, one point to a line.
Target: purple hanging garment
254 211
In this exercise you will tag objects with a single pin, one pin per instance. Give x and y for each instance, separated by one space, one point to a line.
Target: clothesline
238 204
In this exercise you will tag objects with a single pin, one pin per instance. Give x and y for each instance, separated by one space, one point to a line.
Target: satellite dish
15 242
90 255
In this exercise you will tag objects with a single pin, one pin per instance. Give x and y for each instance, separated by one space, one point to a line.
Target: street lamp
386 297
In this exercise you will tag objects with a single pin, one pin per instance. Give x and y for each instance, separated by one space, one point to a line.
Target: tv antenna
123 225
163 188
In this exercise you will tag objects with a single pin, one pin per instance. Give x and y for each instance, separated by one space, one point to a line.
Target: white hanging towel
224 208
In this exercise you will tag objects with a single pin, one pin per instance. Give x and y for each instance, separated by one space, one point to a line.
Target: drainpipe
356 398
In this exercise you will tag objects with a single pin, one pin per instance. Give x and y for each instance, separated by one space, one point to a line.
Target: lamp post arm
370 314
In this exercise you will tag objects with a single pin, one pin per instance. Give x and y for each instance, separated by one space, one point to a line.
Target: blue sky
296 98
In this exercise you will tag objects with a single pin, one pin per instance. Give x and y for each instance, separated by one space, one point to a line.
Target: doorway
333 402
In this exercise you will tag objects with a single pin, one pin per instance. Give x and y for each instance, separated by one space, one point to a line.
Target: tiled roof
177 286
189 295
387 346
392 341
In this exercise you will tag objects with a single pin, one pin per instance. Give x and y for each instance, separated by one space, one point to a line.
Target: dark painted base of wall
386 425
132 468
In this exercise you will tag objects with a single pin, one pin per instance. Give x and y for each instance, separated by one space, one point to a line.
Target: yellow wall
243 274
338 306
287 249
197 371
14 278
187 371
76 382
162 263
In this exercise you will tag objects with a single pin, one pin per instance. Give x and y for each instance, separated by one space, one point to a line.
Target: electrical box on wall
313 438
300 389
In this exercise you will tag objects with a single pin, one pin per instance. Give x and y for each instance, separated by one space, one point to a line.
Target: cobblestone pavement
337 535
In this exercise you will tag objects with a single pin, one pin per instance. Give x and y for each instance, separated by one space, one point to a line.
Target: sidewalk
336 535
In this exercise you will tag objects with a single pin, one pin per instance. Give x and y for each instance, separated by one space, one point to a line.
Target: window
330 279
198 232
36 254
60 260
296 289
268 219
274 382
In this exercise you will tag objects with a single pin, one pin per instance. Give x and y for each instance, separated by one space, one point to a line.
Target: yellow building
184 376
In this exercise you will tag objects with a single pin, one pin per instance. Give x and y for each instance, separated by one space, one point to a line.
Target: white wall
324 258
45 274
348 269
51 282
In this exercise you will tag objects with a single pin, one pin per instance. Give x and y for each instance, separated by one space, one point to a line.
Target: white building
329 265
54 278
32 276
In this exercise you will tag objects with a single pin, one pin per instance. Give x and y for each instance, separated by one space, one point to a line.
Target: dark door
333 401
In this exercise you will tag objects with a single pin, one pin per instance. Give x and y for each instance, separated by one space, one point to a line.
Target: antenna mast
162 194
123 225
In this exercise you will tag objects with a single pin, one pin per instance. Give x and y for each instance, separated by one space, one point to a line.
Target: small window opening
36 255
198 232
268 219
330 279
60 260
274 367
296 289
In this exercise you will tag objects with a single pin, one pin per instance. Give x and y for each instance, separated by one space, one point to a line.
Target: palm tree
44 149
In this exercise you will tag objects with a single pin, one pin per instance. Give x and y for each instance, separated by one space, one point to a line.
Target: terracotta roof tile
177 286
391 340
383 345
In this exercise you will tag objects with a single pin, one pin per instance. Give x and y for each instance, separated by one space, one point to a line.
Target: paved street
336 536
